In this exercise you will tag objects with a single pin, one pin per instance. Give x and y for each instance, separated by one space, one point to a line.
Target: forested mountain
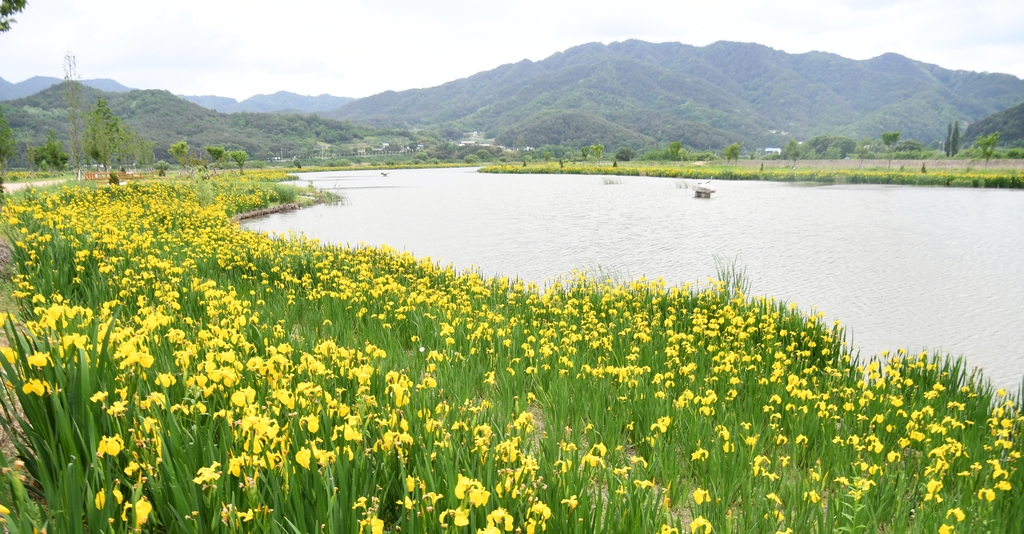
1009 123
31 86
705 96
162 118
281 101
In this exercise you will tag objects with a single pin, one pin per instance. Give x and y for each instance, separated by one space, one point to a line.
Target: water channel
940 269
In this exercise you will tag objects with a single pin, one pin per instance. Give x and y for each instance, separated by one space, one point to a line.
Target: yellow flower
35 386
958 513
302 457
110 446
812 496
571 502
947 529
700 522
662 424
501 517
166 380
701 496
985 494
142 511
100 500
699 454
478 497
410 484
207 474
39 359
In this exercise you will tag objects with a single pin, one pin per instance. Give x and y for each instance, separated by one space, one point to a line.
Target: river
938 269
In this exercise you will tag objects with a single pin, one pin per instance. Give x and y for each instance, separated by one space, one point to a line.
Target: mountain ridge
35 84
281 101
744 89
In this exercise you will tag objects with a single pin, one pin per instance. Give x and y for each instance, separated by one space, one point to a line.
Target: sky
358 48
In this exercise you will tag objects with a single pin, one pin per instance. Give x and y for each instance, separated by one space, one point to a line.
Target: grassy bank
178 374
944 178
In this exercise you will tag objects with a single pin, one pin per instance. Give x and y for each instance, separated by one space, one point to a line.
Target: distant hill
277 102
163 118
705 96
1009 123
31 86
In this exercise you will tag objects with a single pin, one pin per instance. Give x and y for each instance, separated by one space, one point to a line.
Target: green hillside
1009 123
164 118
706 96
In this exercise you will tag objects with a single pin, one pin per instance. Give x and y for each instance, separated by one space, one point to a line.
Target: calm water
901 267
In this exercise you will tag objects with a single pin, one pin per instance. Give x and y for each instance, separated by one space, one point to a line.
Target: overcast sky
357 48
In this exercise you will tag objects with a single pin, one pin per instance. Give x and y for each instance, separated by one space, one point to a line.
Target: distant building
773 150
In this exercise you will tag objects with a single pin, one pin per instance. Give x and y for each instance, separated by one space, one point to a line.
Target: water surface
902 267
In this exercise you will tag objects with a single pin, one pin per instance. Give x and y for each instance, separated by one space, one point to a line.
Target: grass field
993 178
170 372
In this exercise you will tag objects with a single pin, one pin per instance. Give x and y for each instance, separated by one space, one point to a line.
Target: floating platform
702 191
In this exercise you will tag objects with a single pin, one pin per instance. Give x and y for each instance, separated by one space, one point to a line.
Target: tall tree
889 139
597 151
954 143
7 9
949 139
101 134
179 151
76 123
8 149
732 152
674 149
217 154
240 157
53 154
791 151
586 152
987 144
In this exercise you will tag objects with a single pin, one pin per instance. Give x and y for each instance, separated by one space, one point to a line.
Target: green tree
102 134
7 9
987 144
889 139
732 152
217 155
625 154
949 139
53 154
674 150
791 151
954 143
179 151
239 156
597 150
585 151
8 149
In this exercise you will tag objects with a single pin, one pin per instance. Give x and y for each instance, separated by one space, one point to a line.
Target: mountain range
637 94
31 86
163 118
634 91
281 101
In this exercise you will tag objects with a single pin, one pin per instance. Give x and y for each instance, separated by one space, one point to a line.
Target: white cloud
356 48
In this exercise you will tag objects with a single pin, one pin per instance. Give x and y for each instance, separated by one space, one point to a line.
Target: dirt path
10 187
